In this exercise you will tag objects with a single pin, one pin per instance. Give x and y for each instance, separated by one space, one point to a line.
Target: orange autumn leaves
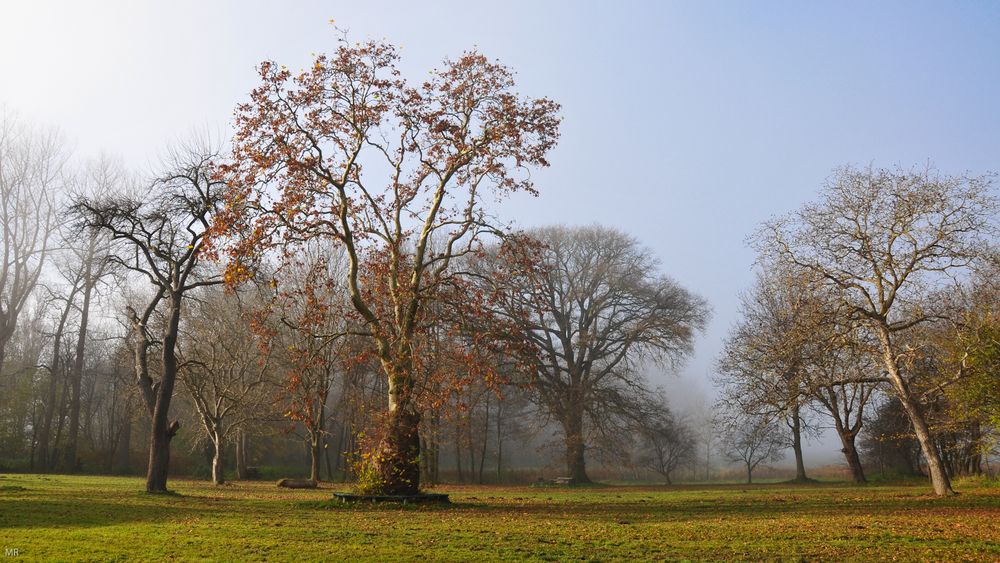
390 176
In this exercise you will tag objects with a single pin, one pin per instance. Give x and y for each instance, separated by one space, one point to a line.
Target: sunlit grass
101 518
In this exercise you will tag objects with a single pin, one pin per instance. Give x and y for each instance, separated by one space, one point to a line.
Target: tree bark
800 466
576 462
749 474
851 454
938 475
458 455
397 457
76 376
218 469
162 431
500 442
47 462
121 462
315 456
486 441
241 454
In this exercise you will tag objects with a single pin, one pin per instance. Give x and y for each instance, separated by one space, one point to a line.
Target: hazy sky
686 123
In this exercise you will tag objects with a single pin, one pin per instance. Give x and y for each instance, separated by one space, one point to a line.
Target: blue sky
686 123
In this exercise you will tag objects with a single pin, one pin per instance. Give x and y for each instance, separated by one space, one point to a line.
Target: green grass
107 518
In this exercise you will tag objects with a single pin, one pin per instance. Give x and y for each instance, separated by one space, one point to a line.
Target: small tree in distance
751 441
667 442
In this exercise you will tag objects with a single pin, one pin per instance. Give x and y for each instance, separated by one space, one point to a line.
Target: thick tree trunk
800 466
939 477
159 455
576 462
851 454
397 464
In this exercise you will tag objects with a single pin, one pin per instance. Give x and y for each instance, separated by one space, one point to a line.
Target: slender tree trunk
50 404
60 423
749 474
472 448
50 409
76 376
800 466
315 456
576 462
218 469
349 445
241 455
35 423
161 430
425 466
326 456
486 441
121 463
428 447
436 449
458 454
341 449
938 475
500 443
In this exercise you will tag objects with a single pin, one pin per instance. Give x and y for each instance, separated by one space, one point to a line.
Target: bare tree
752 440
31 167
763 362
160 236
597 309
224 369
88 261
666 441
880 239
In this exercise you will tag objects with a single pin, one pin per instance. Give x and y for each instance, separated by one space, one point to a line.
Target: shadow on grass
44 513
355 507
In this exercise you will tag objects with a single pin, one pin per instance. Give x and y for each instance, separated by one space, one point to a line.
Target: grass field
107 518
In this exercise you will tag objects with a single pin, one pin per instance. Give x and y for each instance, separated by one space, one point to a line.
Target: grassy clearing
107 518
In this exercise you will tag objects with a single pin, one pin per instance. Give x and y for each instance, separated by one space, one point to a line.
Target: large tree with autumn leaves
393 174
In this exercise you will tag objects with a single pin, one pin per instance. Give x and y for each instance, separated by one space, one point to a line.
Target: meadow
54 517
